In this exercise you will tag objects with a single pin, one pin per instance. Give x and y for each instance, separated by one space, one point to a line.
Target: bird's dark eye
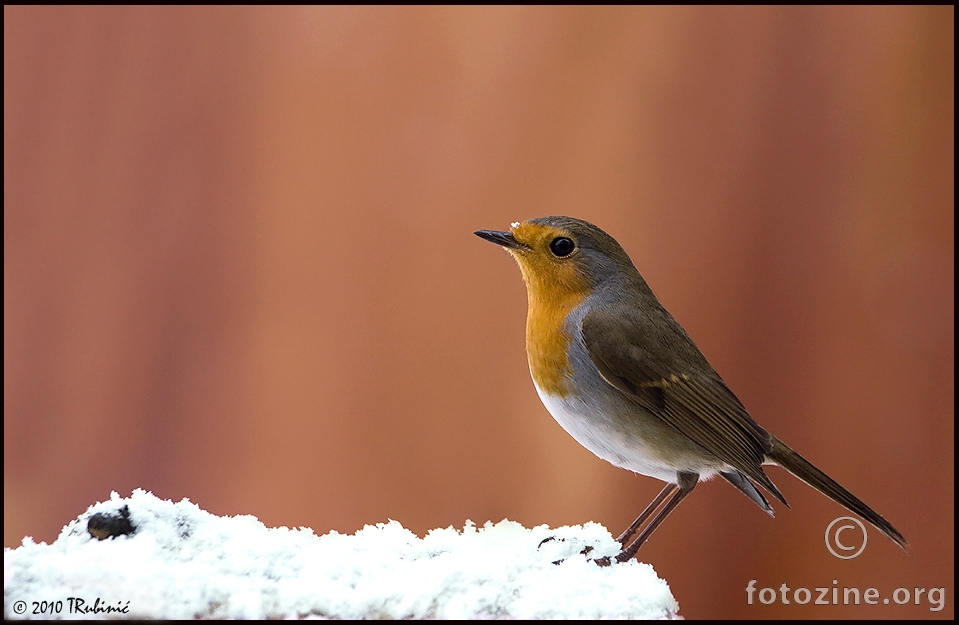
562 246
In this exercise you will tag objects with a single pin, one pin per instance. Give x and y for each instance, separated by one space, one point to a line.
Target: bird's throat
547 337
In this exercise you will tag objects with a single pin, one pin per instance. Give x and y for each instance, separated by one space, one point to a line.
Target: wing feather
658 366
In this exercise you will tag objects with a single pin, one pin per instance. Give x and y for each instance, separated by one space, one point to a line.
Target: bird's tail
788 459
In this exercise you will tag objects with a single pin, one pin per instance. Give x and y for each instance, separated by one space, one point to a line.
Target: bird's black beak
506 239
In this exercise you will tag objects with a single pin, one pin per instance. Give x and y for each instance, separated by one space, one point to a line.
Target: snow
183 562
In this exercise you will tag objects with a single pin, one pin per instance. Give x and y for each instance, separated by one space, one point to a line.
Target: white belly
602 438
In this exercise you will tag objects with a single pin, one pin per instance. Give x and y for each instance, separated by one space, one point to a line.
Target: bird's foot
548 539
585 551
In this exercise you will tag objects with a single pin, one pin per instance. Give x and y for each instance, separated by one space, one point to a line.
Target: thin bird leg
625 536
687 482
645 514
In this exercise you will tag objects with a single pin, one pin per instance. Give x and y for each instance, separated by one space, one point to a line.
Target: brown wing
658 366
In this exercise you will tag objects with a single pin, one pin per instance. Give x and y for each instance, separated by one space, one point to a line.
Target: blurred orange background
239 266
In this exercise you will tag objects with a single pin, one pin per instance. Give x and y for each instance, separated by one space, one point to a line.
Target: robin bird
623 378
